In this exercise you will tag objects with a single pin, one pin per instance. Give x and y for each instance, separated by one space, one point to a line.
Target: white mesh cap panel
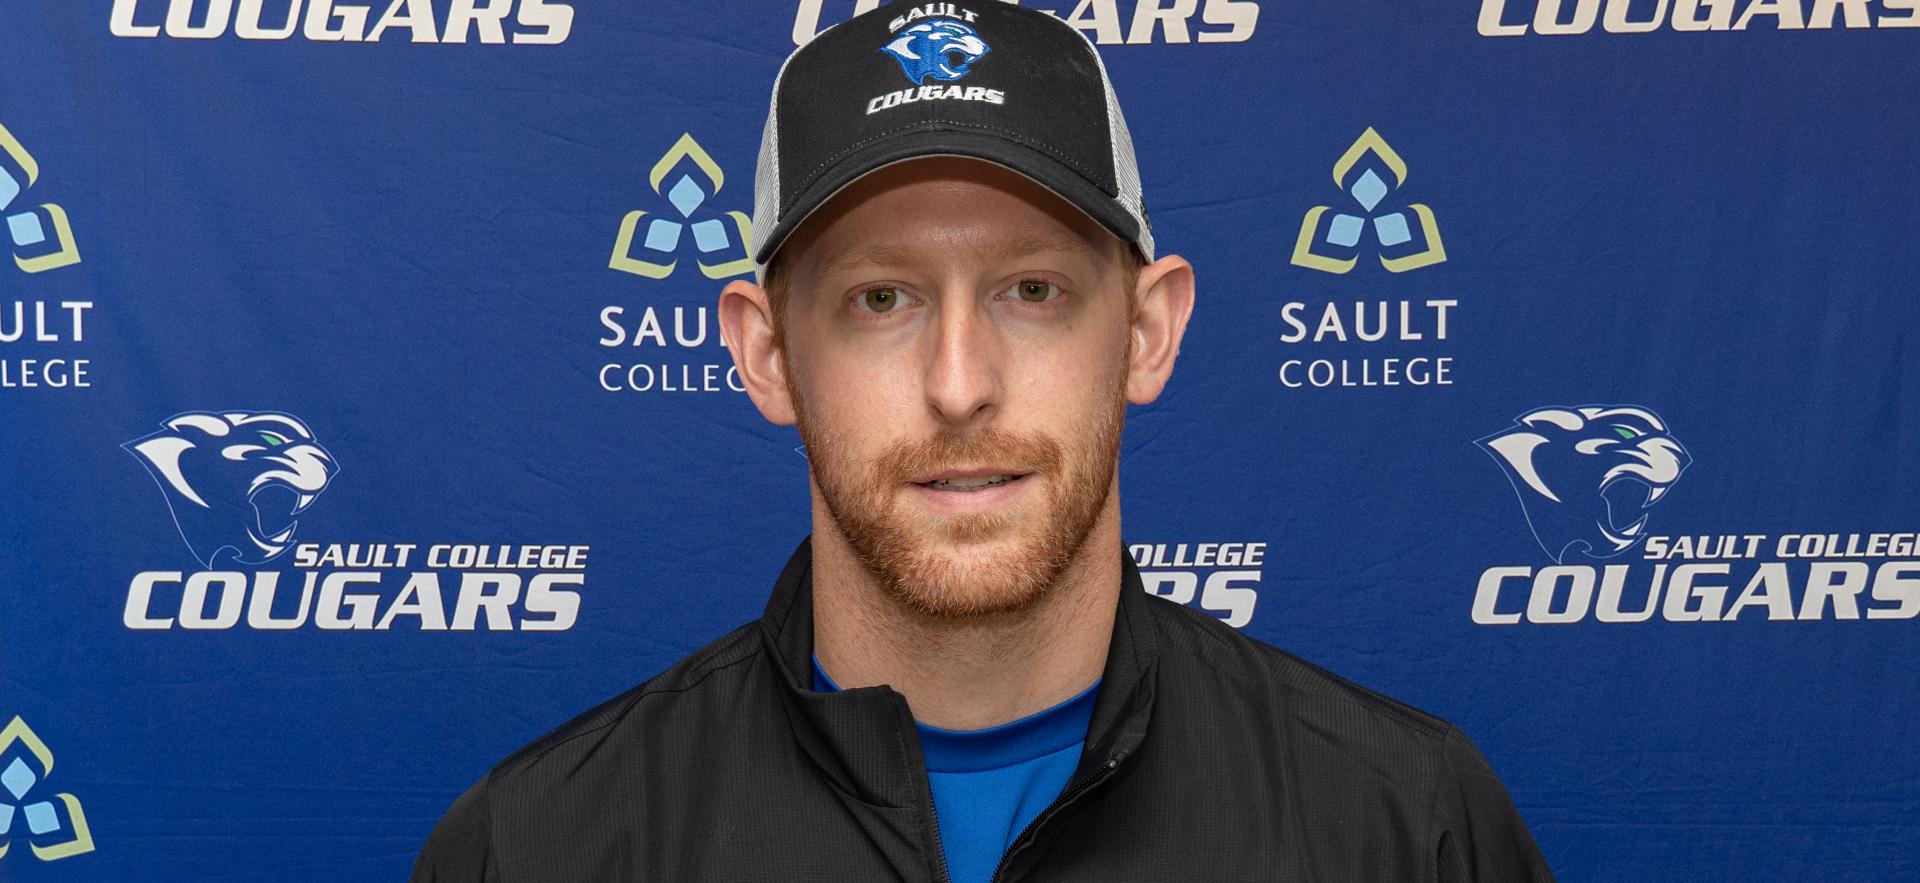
1126 170
766 177
766 191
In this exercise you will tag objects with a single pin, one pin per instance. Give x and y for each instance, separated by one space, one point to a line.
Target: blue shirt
988 785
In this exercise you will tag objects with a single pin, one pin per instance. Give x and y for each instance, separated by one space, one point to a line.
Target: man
959 677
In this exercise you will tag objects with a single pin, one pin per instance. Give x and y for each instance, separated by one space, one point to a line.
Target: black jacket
1211 757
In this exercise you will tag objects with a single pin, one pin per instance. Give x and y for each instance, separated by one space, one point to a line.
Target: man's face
956 347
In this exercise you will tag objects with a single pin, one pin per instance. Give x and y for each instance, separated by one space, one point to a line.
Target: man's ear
746 323
1163 300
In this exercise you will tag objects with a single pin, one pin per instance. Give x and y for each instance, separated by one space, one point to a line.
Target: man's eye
1035 290
880 300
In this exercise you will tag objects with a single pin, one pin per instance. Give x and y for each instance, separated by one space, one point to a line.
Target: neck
975 672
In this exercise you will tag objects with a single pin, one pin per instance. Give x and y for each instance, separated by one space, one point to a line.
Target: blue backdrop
363 412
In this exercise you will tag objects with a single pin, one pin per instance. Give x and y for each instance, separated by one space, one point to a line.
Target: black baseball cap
983 79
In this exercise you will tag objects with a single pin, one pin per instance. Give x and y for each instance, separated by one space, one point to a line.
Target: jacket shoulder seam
1429 725
547 744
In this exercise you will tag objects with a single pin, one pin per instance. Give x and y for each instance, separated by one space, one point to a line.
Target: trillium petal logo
41 236
686 178
53 825
1587 476
1332 239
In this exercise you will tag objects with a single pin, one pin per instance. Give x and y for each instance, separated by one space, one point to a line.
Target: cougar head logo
236 480
1587 476
938 49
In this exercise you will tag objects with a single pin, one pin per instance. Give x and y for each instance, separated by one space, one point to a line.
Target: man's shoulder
620 728
632 712
599 758
1374 769
1296 691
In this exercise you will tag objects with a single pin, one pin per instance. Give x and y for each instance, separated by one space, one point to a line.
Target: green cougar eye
1626 433
273 439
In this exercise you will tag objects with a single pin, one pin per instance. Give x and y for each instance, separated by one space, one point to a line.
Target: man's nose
964 370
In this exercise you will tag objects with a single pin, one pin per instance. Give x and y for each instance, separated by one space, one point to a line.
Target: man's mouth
971 481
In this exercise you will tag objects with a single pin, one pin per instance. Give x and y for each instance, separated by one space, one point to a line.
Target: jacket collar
864 739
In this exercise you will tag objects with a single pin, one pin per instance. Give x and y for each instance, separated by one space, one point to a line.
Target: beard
940 566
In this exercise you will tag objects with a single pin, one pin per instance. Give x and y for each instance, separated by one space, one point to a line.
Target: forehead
944 209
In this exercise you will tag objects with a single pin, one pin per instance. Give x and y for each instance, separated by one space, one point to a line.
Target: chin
972 567
967 582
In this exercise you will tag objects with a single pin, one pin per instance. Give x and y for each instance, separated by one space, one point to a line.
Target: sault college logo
1331 240
52 824
721 235
1357 343
941 49
339 21
1587 476
1222 579
684 352
1553 18
236 480
935 40
42 238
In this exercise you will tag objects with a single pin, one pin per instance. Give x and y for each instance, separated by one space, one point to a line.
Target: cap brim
1043 169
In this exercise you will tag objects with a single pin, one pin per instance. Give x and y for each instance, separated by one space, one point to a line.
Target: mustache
998 448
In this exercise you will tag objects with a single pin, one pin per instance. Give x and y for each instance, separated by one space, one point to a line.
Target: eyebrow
865 255
894 256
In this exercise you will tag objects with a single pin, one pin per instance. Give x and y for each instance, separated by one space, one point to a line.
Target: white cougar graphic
231 478
1586 476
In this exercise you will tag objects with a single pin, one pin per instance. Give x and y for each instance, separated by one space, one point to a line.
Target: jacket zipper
1062 802
945 874
939 848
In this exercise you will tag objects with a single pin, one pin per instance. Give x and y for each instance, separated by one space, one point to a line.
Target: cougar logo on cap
941 49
